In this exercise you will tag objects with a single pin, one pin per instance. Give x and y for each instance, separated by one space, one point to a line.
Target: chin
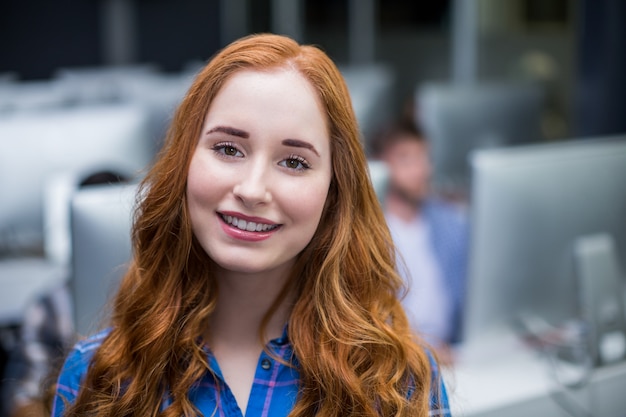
244 267
239 267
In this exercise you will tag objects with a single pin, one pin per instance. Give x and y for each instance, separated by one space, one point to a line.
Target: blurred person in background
46 332
430 234
45 335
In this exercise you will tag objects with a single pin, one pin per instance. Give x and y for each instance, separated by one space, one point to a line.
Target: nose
252 187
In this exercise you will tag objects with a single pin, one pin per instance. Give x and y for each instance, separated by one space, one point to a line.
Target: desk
503 377
23 279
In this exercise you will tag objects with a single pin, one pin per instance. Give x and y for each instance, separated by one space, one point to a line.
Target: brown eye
292 163
295 163
227 150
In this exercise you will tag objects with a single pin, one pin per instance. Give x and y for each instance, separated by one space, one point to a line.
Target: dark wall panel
174 32
36 37
601 102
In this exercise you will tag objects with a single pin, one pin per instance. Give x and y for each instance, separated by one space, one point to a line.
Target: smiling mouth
246 225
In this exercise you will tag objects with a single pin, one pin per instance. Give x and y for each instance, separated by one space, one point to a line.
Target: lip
245 235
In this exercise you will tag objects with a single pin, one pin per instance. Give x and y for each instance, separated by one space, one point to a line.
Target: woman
263 280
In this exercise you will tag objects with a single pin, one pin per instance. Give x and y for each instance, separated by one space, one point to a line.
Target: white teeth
248 226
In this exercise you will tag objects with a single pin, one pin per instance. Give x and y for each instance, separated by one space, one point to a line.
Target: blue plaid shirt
274 391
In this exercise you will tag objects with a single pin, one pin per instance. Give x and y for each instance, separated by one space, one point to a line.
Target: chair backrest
27 96
34 146
100 84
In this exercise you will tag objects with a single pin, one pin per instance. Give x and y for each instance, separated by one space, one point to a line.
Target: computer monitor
101 218
530 206
371 90
458 119
37 146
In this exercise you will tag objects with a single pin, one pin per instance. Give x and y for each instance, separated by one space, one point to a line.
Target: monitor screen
37 146
458 119
529 206
101 218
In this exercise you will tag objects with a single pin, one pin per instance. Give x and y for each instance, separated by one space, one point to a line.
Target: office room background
512 95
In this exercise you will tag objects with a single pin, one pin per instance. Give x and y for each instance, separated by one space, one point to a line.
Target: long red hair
356 353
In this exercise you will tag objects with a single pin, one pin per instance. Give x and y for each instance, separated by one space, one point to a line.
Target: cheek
307 203
195 191
203 185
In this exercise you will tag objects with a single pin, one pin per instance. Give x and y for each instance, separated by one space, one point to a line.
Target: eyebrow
230 131
296 143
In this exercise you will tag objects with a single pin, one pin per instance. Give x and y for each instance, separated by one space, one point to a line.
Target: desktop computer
459 119
548 241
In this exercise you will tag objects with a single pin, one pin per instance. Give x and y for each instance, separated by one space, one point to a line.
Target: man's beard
415 201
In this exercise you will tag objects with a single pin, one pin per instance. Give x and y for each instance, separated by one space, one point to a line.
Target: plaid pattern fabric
273 394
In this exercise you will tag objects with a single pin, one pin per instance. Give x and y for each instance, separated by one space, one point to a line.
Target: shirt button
266 364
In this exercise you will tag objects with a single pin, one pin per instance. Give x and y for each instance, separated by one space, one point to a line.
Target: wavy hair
356 354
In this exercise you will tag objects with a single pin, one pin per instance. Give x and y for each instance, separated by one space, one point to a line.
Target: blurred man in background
430 234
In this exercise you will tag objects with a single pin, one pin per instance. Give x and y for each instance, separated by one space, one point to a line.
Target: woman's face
260 174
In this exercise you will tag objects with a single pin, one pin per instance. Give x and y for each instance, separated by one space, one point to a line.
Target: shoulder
439 404
83 351
447 218
91 343
79 357
74 370
435 206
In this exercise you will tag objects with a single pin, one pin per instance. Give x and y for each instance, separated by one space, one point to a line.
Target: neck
242 303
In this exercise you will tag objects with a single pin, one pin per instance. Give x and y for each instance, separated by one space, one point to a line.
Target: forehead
285 84
280 101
